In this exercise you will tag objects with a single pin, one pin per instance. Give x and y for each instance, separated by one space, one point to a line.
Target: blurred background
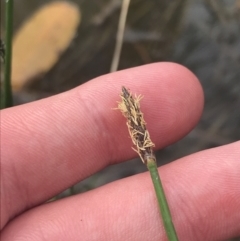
203 35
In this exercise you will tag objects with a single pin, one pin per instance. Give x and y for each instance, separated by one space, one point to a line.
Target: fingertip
173 100
83 133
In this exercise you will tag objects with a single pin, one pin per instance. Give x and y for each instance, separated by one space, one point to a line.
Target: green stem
72 191
162 201
6 94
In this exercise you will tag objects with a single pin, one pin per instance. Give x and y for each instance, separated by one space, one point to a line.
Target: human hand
51 144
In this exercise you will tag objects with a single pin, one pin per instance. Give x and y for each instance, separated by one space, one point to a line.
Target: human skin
51 144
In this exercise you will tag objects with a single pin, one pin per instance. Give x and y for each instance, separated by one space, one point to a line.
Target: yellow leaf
39 43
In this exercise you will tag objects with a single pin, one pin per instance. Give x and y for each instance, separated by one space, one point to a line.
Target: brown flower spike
130 108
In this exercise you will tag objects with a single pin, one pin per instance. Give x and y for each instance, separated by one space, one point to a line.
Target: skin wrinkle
220 188
93 116
89 173
19 182
14 183
188 217
4 201
101 127
108 122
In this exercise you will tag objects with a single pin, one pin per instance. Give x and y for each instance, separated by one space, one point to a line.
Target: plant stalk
120 35
6 100
162 201
130 108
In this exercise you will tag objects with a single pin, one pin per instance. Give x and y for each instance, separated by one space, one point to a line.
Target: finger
203 192
51 144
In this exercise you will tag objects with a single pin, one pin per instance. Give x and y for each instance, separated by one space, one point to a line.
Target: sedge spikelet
130 108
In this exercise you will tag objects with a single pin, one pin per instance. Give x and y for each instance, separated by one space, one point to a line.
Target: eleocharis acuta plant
6 91
130 108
